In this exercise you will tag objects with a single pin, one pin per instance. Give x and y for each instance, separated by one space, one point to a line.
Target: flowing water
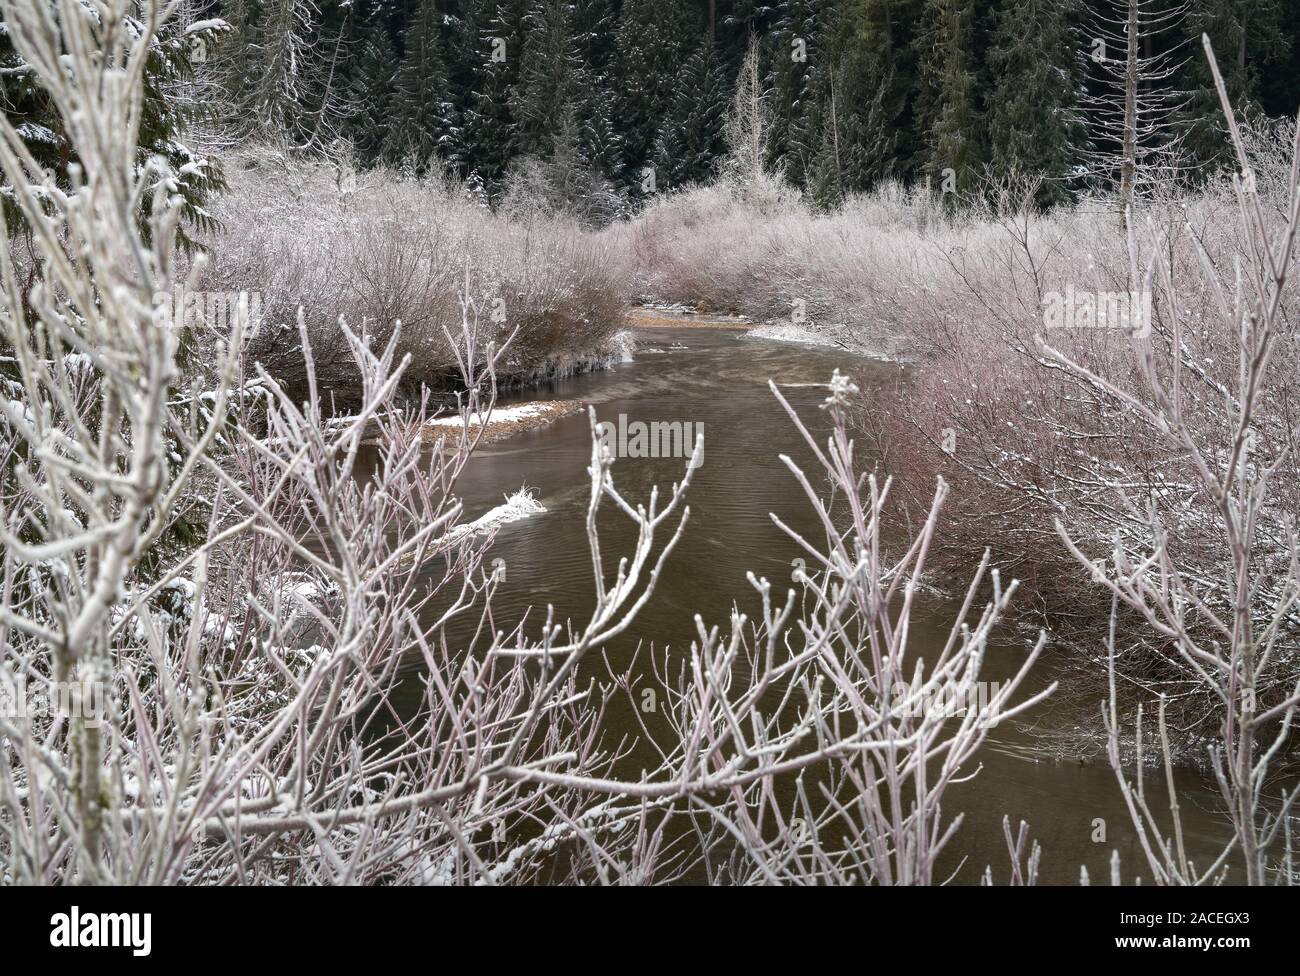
719 379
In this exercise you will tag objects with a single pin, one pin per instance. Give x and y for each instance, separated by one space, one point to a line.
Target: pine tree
797 54
489 135
164 119
864 100
690 141
421 115
1245 35
949 120
653 41
551 76
370 90
1035 123
464 59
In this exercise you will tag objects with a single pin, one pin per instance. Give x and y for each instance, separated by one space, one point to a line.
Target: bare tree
749 123
1133 119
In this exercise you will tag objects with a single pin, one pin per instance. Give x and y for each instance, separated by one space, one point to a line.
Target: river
716 378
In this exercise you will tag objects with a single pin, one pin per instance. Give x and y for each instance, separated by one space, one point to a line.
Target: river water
718 379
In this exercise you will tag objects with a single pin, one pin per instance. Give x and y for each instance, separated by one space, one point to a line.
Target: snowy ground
789 332
504 422
659 316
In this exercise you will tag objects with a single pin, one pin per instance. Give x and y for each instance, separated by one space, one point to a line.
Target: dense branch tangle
235 715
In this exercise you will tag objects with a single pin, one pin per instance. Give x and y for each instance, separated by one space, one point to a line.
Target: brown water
716 378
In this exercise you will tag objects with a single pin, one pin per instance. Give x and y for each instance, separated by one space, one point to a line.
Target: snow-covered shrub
1023 442
235 714
383 246
851 275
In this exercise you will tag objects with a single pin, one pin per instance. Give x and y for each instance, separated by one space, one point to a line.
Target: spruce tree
1246 34
164 119
950 120
865 99
420 123
370 91
690 141
551 76
797 55
1035 123
489 135
600 136
464 58
653 41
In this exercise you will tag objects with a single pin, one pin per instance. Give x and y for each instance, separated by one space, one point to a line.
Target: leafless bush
1233 635
231 715
384 246
855 275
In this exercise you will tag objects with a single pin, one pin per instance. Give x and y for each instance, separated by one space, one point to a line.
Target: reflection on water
718 380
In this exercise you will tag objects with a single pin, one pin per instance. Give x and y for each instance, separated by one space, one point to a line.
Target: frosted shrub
383 246
226 708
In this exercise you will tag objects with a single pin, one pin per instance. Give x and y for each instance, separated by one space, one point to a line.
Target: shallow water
718 379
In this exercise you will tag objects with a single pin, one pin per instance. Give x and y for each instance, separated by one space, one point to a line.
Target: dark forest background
627 97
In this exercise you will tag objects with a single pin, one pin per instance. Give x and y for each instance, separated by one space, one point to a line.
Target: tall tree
748 128
865 99
1246 35
552 75
1035 123
654 39
951 124
421 119
269 64
370 90
1135 138
489 136
690 141
798 55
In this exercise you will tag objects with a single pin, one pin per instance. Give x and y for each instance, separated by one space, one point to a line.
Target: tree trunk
1128 163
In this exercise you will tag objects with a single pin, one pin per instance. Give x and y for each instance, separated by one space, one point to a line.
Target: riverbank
388 247
654 316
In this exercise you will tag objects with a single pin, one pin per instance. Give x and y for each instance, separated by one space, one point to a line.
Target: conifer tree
1035 123
690 141
1246 35
270 59
600 136
864 99
463 58
164 119
950 121
421 119
370 91
551 76
489 135
797 54
653 41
